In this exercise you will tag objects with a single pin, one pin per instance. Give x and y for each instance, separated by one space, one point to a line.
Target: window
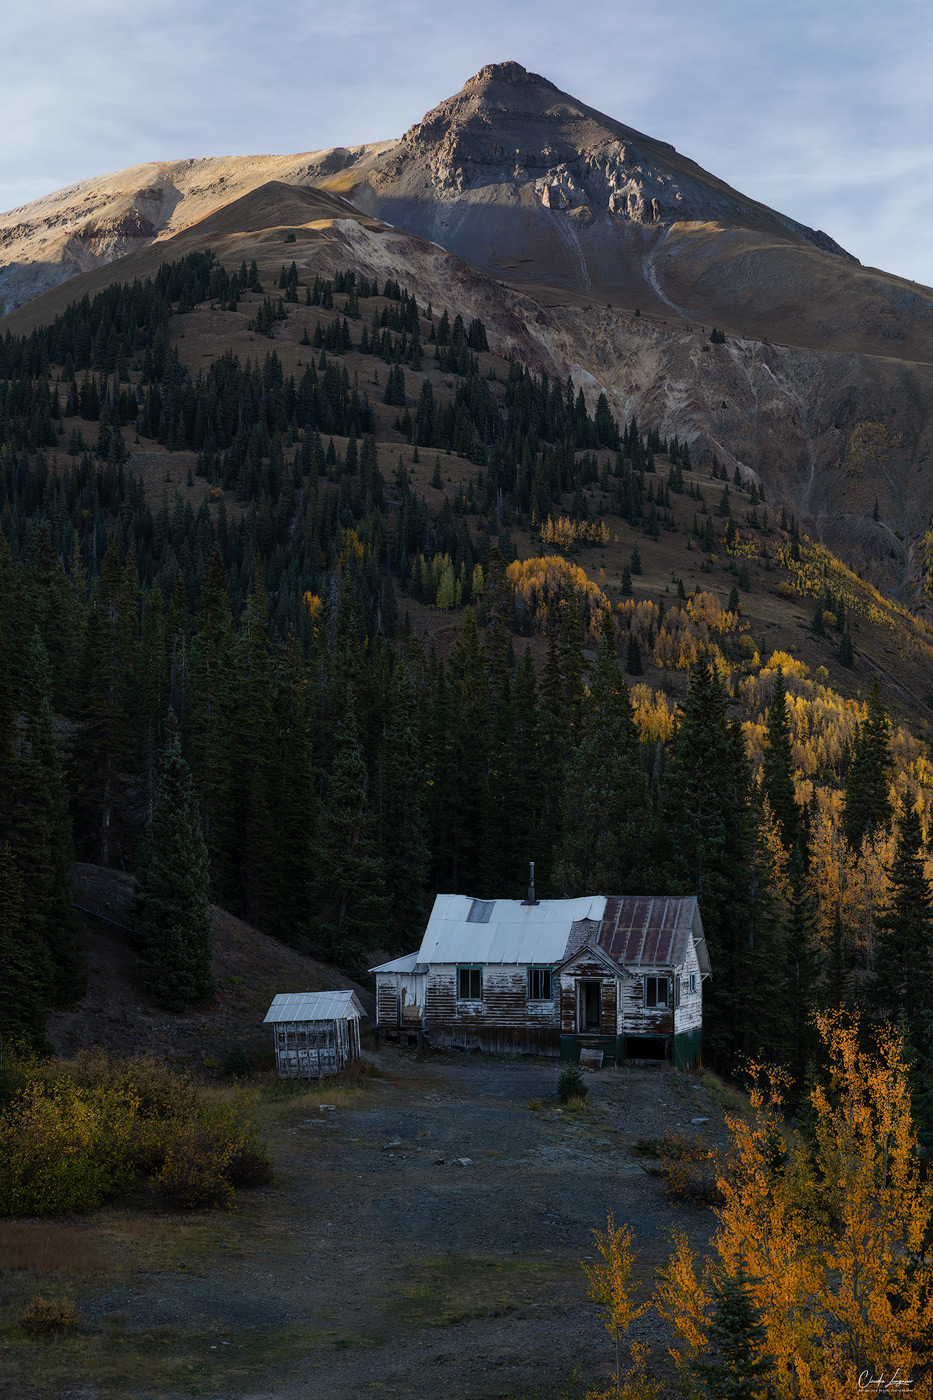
656 991
481 911
676 992
540 987
693 982
469 984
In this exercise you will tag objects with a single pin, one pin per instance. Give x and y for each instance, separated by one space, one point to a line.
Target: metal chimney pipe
531 885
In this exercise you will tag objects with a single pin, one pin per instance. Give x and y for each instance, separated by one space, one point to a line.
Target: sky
823 109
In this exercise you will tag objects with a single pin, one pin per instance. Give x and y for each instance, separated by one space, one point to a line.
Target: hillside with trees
313 604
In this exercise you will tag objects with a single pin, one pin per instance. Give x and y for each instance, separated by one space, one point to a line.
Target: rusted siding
504 1002
644 1020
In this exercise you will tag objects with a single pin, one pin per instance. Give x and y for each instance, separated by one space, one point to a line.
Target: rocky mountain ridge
588 248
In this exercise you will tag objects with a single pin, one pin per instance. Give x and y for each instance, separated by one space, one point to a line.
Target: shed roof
315 1006
503 930
650 930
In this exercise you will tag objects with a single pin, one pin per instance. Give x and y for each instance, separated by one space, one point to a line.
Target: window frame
543 970
470 968
658 981
676 991
693 983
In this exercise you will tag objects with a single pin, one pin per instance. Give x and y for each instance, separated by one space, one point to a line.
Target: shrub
570 1085
194 1172
250 1164
63 1149
43 1317
236 1063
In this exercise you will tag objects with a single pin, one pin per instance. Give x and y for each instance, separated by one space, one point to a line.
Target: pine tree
42 840
634 564
737 1336
297 813
173 892
255 764
349 875
212 705
633 657
846 651
25 968
605 798
902 977
801 971
867 806
777 768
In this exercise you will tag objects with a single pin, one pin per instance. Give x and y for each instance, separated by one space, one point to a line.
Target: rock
465 1161
327 1107
699 1120
389 1145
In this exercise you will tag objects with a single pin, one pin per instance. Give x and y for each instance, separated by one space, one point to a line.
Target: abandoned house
618 974
316 1033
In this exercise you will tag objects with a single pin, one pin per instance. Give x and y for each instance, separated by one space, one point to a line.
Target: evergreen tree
846 651
867 807
173 892
403 837
212 705
605 798
348 879
297 805
801 970
42 839
902 976
25 968
777 768
742 1368
255 765
633 657
634 563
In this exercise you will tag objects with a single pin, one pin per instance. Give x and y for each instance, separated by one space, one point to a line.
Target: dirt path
423 1241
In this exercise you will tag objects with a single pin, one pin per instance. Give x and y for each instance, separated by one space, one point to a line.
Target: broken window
693 982
540 985
676 992
469 984
481 911
657 991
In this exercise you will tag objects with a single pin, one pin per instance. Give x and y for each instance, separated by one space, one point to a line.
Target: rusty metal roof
649 930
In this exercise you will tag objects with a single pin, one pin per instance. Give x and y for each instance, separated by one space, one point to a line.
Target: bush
570 1085
236 1063
75 1133
43 1317
690 1167
63 1149
194 1171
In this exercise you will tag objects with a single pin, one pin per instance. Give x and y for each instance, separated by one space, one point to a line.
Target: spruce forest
237 661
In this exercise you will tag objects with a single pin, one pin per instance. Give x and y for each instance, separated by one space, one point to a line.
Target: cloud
821 111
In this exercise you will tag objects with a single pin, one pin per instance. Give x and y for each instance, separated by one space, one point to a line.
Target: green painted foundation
612 1046
687 1048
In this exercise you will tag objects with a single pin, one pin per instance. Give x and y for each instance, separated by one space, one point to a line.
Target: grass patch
455 1289
729 1098
44 1247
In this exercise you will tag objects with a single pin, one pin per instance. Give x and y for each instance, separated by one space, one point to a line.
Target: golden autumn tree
831 1236
611 1289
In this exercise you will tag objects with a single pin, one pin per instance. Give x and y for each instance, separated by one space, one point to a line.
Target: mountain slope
585 246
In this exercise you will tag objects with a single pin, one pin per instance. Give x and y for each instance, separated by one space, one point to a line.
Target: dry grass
38 1245
48 1317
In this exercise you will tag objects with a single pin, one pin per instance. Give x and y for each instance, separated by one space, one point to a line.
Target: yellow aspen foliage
610 1286
315 606
539 585
656 716
640 618
779 858
829 1235
565 533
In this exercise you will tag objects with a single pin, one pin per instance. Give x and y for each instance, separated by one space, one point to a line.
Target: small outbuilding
316 1033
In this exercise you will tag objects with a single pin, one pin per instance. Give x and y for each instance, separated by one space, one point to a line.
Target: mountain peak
507 72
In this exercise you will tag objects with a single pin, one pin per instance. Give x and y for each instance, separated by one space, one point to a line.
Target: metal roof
403 964
652 931
315 1006
515 933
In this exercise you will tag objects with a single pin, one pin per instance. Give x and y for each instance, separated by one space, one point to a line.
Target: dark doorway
590 1006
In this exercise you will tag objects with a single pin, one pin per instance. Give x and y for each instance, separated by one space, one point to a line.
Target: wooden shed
316 1033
